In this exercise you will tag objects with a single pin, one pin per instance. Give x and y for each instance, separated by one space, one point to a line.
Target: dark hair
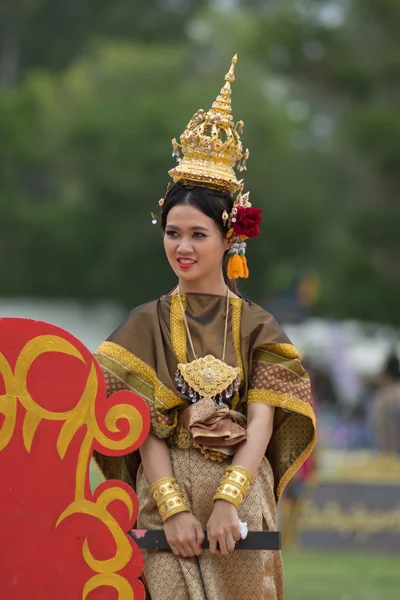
210 202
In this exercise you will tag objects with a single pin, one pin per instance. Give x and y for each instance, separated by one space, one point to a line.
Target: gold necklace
207 377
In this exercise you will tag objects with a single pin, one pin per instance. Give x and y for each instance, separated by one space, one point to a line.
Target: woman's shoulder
138 321
149 312
148 308
257 313
261 325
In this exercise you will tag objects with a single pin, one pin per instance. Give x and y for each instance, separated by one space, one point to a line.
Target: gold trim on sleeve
282 350
138 367
281 400
268 355
289 403
292 470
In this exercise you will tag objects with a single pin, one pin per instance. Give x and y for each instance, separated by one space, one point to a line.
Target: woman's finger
236 533
213 545
190 549
191 545
223 545
230 542
174 549
181 550
200 537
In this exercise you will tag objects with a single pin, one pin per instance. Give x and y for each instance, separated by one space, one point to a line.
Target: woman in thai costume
231 417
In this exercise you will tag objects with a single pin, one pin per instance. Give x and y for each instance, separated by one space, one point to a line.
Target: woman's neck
203 287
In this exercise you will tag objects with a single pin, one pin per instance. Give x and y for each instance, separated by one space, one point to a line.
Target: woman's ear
226 244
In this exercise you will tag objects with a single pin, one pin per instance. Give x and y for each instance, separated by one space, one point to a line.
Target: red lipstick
185 265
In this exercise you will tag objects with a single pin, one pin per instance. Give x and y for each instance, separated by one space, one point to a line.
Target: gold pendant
207 377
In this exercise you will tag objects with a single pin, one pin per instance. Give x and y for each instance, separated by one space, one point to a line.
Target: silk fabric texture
142 355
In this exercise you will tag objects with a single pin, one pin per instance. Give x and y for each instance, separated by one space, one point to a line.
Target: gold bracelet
163 488
229 493
238 476
234 485
169 497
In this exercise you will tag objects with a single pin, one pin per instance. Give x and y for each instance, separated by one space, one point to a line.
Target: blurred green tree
341 61
84 145
52 33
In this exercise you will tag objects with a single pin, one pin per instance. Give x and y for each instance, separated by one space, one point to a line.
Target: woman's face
193 244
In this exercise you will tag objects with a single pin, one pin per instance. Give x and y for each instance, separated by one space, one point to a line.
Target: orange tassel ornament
237 266
245 267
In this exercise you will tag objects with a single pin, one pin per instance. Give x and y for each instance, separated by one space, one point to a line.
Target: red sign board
57 538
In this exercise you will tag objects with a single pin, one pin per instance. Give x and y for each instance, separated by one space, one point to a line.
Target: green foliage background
92 93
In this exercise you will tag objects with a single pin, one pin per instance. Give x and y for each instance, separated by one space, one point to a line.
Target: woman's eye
174 234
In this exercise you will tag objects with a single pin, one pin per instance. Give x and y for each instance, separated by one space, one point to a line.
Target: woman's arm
223 525
155 458
260 422
183 531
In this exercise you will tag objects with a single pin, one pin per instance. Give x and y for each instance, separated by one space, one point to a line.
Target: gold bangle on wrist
169 497
234 485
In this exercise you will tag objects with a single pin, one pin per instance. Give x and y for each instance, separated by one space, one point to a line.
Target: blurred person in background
231 414
385 411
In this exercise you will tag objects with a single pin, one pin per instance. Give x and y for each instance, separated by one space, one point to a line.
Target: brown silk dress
142 356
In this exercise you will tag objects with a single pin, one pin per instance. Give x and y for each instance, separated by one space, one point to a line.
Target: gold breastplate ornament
207 377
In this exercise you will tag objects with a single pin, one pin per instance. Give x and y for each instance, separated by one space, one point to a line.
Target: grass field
333 576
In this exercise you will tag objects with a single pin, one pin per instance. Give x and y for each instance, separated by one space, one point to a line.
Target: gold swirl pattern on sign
99 510
83 414
8 404
119 583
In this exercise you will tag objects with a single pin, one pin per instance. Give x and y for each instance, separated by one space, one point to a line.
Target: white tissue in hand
243 530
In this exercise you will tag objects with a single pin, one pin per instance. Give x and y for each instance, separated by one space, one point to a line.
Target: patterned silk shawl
143 353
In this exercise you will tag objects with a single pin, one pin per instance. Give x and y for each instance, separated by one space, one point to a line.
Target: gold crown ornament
209 151
210 147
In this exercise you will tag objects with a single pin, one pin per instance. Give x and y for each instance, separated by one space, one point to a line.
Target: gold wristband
163 488
234 485
169 497
172 506
229 493
238 476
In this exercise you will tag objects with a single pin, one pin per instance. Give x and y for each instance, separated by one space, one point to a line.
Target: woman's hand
184 534
223 527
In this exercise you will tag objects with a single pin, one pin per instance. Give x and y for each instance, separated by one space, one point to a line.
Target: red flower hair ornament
243 223
247 221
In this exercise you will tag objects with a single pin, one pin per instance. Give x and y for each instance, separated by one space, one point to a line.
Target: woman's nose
185 244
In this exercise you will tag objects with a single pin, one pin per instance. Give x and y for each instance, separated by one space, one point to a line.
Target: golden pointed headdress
210 147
